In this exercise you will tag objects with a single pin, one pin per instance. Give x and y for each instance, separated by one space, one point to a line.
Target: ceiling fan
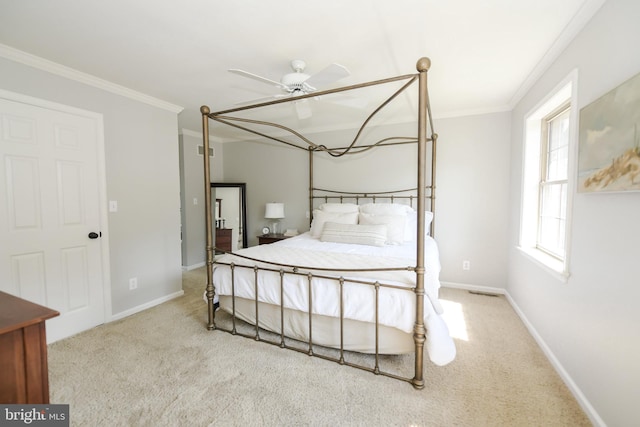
298 83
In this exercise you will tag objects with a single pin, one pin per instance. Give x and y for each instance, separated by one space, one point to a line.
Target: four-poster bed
365 278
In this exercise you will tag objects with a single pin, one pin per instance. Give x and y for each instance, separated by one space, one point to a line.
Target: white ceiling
484 53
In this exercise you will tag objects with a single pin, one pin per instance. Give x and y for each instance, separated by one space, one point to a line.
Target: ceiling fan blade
258 78
259 100
347 101
330 74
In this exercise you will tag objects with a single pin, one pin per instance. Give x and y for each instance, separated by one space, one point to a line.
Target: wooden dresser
223 239
24 374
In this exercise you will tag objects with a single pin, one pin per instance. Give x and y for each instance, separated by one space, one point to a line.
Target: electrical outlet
133 283
466 265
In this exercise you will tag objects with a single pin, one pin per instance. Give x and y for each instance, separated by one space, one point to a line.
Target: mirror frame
243 199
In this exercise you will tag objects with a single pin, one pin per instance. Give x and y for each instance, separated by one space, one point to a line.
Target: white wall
473 199
141 150
591 324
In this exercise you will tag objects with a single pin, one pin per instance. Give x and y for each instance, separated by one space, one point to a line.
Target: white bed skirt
358 336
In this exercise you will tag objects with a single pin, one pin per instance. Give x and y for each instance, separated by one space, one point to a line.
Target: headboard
318 196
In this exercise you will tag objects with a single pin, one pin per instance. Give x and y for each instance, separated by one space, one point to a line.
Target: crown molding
195 134
577 23
30 60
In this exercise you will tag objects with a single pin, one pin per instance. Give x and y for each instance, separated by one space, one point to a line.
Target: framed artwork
609 141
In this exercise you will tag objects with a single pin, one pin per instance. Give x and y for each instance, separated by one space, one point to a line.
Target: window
547 179
552 216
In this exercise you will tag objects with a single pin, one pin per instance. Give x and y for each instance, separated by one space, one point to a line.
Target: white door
49 204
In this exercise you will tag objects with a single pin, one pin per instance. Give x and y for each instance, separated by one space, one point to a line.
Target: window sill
550 264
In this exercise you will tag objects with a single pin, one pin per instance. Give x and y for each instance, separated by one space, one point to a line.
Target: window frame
554 103
544 182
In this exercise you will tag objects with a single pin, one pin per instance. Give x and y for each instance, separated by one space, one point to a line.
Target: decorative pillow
395 225
339 207
359 234
386 209
411 228
320 217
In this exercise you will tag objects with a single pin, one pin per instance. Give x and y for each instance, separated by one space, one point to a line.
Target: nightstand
223 239
265 239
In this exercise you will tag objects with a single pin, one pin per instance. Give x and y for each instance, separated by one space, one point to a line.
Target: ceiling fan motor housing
295 81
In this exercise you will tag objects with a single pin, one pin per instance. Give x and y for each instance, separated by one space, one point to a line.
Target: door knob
94 235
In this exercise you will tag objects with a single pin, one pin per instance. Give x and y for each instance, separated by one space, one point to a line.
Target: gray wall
286 169
591 324
141 150
472 187
192 187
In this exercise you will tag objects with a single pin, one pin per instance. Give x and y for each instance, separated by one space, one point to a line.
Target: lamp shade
274 210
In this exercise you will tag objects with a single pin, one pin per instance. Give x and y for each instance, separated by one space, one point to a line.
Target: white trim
195 134
474 288
566 378
30 60
49 105
551 265
577 23
193 266
146 306
566 89
475 112
562 372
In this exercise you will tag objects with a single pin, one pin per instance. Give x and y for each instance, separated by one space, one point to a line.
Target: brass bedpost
210 292
419 332
434 141
310 185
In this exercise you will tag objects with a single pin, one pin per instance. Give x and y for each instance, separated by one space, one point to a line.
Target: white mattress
396 306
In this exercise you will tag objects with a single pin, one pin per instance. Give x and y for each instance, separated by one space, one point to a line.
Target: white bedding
396 307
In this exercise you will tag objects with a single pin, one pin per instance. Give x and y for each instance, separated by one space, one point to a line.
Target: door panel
49 203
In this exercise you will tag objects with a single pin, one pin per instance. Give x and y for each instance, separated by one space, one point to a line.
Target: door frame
102 181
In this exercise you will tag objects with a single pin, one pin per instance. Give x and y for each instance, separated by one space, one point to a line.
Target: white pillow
339 207
395 225
386 209
359 234
411 228
320 217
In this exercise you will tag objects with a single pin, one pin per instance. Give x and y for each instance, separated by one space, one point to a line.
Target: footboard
278 280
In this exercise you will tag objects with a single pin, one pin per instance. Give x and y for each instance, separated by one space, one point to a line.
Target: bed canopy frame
421 192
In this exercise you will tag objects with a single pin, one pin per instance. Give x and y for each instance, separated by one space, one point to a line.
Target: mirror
229 215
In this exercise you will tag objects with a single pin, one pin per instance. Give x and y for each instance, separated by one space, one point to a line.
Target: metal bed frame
422 193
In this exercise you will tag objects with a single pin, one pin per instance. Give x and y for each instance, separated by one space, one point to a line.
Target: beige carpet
162 367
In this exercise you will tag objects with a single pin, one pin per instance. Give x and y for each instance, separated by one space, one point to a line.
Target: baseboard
193 266
475 288
573 387
145 306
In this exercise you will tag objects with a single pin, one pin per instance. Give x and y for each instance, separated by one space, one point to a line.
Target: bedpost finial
205 110
423 64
